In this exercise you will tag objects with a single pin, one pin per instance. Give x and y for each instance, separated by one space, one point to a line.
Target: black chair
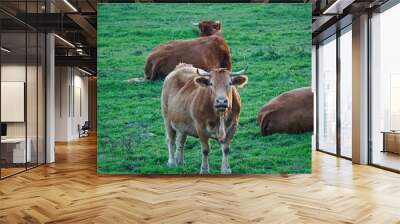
84 130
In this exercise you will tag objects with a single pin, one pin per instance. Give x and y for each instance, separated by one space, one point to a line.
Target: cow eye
210 83
230 83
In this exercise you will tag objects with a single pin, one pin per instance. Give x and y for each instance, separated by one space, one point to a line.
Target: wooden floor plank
70 191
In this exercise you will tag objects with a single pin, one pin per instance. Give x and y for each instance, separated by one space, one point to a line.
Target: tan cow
204 105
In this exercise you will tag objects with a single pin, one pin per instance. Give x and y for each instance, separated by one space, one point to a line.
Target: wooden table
391 141
13 150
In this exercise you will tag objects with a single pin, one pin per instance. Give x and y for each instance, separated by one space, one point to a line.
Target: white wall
80 112
11 73
71 93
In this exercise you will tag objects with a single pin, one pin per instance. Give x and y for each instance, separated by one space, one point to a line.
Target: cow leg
180 144
205 149
170 139
225 148
225 168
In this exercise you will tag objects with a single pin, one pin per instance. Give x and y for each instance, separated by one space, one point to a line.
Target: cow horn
195 24
218 22
241 72
201 72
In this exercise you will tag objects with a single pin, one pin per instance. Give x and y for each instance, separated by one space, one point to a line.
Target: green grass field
273 39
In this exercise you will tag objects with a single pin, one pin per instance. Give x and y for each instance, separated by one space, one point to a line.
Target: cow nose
221 103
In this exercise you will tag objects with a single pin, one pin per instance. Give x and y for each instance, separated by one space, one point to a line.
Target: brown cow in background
290 112
208 27
206 52
204 105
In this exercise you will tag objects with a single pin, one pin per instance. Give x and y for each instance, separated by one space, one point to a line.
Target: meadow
274 40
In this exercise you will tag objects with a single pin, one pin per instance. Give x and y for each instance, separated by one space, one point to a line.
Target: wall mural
204 88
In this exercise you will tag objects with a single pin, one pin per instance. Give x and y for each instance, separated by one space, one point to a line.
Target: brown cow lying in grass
204 105
206 52
290 112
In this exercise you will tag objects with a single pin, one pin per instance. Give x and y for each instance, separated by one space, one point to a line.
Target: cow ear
239 80
202 81
218 25
201 27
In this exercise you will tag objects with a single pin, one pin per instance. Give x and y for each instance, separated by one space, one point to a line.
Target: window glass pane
346 93
386 89
31 97
32 87
13 87
22 88
41 98
327 96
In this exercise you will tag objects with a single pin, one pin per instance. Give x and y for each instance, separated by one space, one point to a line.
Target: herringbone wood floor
70 191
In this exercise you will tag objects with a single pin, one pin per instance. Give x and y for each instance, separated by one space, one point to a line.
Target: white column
50 92
63 99
360 90
50 100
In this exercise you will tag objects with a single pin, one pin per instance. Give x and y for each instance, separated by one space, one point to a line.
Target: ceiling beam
337 7
49 22
86 27
78 61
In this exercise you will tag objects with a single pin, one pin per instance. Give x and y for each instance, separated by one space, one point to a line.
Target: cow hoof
171 164
178 159
204 171
180 162
226 171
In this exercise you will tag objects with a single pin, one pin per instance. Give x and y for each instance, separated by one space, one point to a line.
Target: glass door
22 100
14 155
